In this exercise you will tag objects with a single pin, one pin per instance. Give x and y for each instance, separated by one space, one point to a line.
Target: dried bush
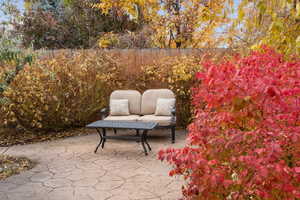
67 90
60 92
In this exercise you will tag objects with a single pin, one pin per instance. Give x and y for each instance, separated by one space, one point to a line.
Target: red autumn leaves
245 142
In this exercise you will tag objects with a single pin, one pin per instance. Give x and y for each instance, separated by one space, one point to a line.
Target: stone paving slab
3 150
68 169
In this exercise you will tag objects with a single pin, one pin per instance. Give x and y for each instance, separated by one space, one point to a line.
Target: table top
123 125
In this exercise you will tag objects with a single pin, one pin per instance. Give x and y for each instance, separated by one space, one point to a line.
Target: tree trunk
178 31
140 18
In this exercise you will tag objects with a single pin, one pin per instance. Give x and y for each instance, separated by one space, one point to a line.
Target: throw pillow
164 107
119 107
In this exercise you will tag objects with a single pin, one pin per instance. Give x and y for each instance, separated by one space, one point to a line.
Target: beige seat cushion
161 120
150 97
123 118
134 99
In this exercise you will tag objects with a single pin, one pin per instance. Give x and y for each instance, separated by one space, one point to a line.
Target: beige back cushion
134 99
149 99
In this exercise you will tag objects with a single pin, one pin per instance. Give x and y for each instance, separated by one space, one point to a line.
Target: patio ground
68 169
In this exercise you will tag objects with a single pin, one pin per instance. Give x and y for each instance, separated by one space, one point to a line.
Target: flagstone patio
68 169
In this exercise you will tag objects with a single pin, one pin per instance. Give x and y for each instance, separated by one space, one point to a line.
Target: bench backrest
149 99
134 99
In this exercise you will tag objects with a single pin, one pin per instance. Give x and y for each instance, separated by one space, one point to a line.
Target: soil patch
10 137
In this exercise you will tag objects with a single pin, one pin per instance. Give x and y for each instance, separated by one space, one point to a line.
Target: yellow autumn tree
275 23
195 23
175 23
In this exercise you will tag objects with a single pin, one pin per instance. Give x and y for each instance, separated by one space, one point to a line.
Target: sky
20 4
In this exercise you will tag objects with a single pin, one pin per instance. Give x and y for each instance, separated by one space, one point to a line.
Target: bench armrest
104 113
173 112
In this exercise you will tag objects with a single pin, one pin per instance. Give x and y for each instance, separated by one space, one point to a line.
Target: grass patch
10 166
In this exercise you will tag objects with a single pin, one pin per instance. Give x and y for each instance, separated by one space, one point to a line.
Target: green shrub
60 92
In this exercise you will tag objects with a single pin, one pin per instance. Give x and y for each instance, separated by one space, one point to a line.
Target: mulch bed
10 165
10 137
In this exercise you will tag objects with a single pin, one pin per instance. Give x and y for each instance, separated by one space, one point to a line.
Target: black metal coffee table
138 126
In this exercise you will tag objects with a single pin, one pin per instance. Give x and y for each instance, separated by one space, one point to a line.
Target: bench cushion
134 99
161 120
149 99
123 118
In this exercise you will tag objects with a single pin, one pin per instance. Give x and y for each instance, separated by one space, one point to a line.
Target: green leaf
67 2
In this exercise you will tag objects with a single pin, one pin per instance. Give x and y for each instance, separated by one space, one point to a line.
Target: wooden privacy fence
133 59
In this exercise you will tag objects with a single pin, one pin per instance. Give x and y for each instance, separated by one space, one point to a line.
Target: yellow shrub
177 74
61 92
6 68
108 40
2 116
68 90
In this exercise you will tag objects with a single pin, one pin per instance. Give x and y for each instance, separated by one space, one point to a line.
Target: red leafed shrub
244 142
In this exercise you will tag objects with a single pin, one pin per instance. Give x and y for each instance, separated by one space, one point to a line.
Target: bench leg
137 135
173 134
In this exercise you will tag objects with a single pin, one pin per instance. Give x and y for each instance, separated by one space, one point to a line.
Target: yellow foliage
108 40
194 23
175 24
177 74
60 92
66 90
275 23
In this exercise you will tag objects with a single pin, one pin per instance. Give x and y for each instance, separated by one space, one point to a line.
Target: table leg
101 140
146 140
115 131
138 135
104 139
